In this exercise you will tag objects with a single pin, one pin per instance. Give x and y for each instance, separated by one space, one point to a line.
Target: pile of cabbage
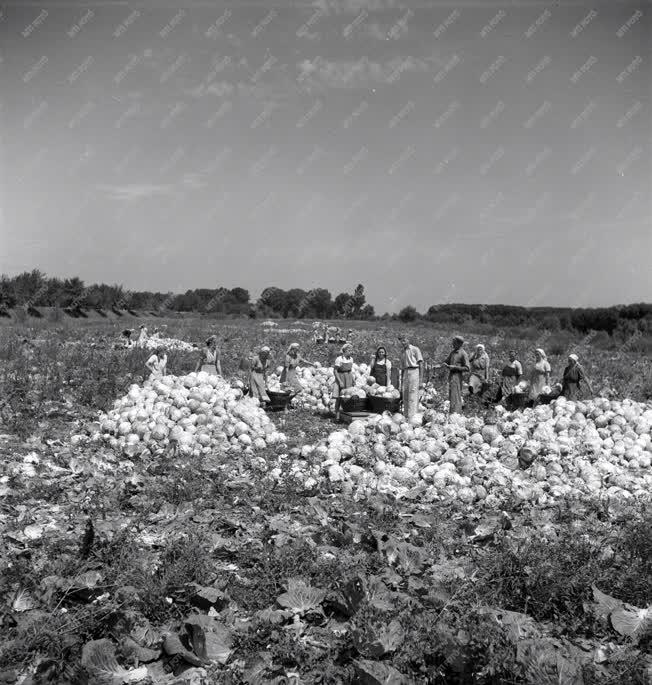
388 392
196 414
167 344
316 396
599 448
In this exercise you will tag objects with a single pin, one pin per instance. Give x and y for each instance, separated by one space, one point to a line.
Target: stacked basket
378 405
353 404
278 401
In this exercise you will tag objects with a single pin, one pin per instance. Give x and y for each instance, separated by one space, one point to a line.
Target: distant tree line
628 318
33 289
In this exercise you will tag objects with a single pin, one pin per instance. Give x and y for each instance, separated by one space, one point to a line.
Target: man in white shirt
411 376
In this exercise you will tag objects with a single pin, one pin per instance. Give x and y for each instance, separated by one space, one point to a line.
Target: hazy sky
434 151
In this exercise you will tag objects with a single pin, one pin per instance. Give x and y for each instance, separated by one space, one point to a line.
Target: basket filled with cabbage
383 397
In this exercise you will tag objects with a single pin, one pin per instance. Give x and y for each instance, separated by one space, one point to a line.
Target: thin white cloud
219 89
131 192
320 73
135 191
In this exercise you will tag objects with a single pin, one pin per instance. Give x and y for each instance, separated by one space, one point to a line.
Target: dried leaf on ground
99 661
377 673
210 639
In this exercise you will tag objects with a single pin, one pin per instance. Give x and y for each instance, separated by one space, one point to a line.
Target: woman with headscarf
143 334
260 364
457 364
292 360
343 370
511 375
381 367
573 376
157 364
479 365
540 376
209 360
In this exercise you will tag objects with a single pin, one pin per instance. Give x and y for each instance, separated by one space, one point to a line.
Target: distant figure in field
511 375
457 364
157 364
125 338
293 360
319 332
479 365
260 364
574 375
143 334
411 376
540 375
209 360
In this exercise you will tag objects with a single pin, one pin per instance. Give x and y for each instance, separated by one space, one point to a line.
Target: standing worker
479 365
343 370
143 335
258 375
540 376
210 358
573 377
292 361
511 375
457 364
381 367
157 364
411 376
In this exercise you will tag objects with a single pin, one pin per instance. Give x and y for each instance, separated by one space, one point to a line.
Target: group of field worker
470 373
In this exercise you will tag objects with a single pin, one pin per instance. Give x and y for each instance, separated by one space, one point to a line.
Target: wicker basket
547 399
279 400
350 404
378 405
517 400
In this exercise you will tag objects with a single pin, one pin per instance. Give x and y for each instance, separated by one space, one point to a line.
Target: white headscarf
541 352
574 357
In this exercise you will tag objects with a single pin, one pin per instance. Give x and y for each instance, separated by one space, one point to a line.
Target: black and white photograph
325 342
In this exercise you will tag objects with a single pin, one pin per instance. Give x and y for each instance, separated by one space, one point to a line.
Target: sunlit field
399 552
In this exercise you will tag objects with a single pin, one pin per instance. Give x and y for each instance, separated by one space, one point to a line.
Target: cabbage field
172 531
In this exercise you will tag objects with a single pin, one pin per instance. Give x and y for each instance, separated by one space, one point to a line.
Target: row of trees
35 289
316 303
608 319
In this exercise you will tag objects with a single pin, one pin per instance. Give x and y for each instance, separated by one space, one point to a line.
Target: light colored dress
455 380
540 372
479 371
158 366
209 361
257 375
343 370
289 374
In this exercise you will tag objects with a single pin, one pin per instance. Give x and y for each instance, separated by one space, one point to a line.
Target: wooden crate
353 404
349 416
381 404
